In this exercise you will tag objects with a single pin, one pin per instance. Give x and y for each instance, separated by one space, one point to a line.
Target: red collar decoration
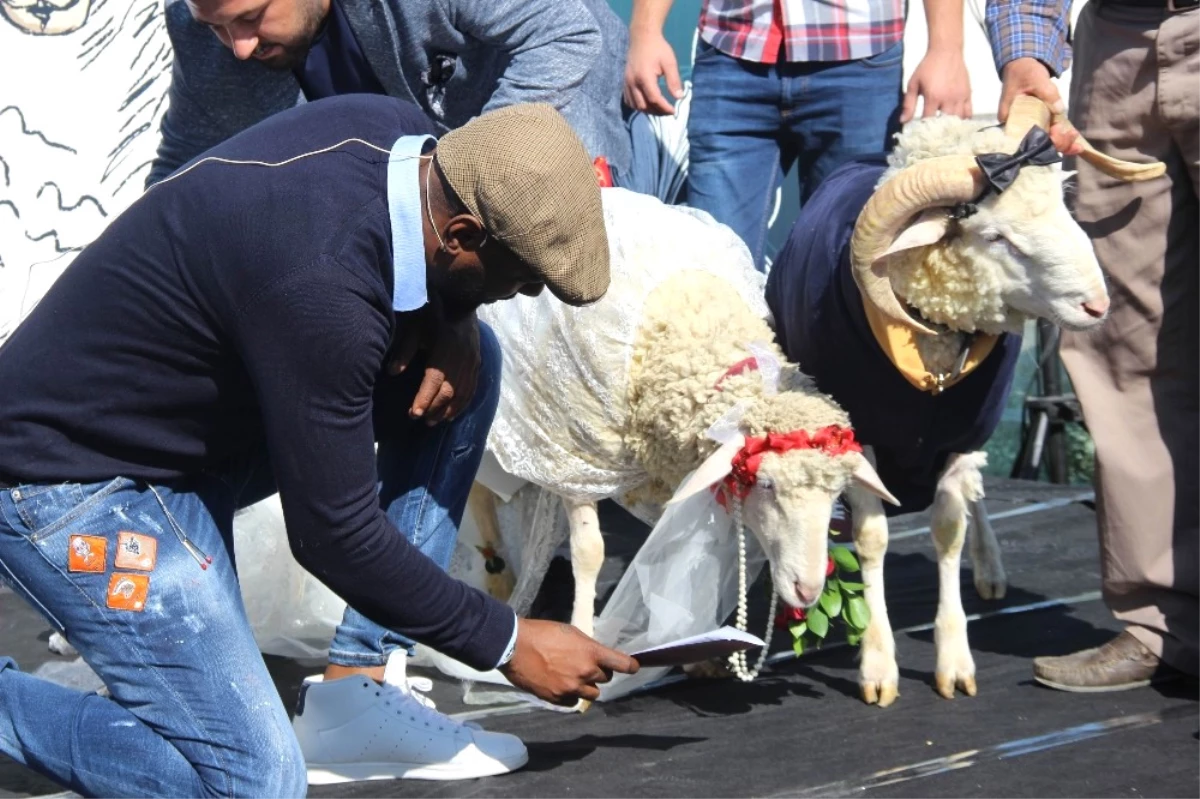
831 440
741 367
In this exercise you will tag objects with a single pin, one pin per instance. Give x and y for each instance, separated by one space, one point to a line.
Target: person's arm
1029 44
941 78
650 57
551 45
313 345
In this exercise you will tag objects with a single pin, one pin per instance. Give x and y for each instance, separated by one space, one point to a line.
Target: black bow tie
1001 169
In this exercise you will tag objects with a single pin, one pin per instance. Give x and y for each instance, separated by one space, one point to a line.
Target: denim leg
840 111
733 131
193 710
425 476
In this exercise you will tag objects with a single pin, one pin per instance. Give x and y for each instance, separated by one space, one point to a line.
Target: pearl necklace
737 661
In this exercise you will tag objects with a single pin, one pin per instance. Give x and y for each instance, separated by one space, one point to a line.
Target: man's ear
464 233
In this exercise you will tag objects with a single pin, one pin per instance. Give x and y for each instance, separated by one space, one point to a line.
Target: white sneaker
356 729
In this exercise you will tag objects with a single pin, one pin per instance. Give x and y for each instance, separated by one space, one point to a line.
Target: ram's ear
927 227
714 469
866 477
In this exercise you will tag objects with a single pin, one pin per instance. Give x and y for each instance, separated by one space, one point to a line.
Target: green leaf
854 639
798 646
860 614
833 531
851 588
818 622
831 601
844 558
798 629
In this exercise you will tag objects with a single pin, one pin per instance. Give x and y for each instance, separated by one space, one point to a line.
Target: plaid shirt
1030 29
813 30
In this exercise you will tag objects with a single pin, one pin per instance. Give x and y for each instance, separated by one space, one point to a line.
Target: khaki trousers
1135 94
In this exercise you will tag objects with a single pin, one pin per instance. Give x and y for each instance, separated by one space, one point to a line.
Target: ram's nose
808 594
1096 308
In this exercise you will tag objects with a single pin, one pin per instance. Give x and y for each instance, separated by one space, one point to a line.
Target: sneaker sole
1092 689
1158 679
334 773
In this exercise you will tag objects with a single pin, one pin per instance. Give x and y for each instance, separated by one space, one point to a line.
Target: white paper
695 648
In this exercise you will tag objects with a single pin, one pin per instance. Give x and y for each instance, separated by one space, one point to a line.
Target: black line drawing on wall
45 17
76 143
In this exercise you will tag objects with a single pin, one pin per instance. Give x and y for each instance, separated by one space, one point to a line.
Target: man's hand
558 663
451 367
1030 76
650 55
942 79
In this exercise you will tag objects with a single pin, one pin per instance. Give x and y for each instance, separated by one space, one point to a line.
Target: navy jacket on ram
821 325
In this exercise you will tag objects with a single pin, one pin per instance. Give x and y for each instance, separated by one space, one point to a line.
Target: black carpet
801 730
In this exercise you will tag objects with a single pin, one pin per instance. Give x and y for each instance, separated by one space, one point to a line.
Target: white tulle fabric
563 405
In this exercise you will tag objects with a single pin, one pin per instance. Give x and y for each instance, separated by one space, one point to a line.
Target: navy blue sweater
242 307
821 325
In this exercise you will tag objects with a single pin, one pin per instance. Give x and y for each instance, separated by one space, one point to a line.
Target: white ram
903 295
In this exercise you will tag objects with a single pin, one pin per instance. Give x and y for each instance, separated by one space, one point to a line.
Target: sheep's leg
878 675
990 580
482 504
587 556
541 538
959 484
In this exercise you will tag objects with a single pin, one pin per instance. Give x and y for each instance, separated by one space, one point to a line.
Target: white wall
79 116
985 83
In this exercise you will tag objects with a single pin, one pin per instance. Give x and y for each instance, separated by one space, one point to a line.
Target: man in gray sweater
238 62
453 58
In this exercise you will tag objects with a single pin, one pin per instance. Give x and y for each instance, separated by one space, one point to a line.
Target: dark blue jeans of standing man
749 123
193 710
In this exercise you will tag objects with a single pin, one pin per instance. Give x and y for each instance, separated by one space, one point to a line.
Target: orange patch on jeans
86 553
136 551
128 591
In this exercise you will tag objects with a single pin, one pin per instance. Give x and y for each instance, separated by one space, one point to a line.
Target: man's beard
294 53
461 292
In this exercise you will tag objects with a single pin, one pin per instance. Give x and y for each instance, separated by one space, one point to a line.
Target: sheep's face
1021 256
788 510
1040 261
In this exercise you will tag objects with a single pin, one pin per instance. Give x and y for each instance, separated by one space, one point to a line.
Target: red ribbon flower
831 440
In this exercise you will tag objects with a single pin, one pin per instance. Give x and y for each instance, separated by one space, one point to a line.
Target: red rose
788 616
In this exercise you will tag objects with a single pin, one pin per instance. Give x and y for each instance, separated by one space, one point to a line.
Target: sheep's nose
808 594
1096 308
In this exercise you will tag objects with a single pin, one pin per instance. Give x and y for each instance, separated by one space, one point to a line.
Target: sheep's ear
927 227
714 469
866 477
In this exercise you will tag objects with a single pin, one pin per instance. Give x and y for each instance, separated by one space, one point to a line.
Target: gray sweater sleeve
550 44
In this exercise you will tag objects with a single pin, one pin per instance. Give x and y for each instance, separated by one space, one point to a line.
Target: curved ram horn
941 181
1027 111
1128 171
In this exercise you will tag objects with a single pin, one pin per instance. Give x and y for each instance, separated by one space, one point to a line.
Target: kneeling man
258 322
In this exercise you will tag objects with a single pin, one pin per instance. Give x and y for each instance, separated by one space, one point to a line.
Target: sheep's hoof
713 669
946 683
991 586
879 693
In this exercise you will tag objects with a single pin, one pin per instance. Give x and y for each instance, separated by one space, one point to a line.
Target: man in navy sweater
249 325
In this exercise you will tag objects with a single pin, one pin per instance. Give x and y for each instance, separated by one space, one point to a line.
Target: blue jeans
193 710
750 122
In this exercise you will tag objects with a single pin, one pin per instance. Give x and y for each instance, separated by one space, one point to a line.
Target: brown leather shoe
1121 664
